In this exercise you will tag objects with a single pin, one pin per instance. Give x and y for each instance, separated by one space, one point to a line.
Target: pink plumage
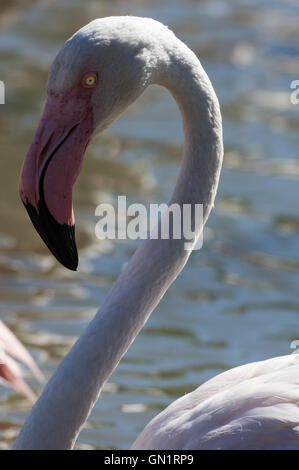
254 406
10 371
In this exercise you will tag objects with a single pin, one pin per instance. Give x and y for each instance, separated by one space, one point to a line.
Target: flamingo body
96 75
254 406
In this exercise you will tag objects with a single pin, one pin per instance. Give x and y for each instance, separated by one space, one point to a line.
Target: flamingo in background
10 371
96 75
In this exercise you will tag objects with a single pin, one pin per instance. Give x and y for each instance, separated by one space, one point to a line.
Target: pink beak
51 168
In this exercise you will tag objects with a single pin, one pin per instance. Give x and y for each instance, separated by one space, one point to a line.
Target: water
237 299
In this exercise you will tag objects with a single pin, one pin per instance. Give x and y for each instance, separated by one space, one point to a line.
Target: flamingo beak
50 170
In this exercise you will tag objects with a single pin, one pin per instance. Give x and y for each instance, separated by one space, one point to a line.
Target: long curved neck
57 417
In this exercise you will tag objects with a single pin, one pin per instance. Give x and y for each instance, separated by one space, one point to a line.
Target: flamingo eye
89 80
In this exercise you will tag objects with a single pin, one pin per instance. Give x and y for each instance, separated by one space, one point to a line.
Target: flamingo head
98 72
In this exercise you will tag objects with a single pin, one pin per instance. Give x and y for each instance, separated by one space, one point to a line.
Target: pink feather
10 372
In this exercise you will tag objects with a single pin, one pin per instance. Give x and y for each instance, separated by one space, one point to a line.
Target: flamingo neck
58 416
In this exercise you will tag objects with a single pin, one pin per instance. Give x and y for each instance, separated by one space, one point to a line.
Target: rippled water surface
237 299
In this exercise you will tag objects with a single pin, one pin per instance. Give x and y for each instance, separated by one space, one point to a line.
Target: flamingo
11 347
97 74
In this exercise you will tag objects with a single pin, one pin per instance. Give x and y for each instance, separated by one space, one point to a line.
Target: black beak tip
69 262
59 238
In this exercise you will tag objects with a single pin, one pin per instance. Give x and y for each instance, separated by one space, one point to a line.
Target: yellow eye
89 80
